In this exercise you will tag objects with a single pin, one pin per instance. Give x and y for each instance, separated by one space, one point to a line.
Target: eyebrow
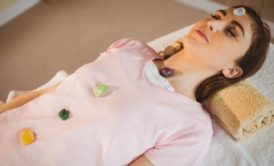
234 22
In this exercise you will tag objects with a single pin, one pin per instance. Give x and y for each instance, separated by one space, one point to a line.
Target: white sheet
257 150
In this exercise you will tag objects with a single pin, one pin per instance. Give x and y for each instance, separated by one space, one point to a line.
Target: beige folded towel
241 109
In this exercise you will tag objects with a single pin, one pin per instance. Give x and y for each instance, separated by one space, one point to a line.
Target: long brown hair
250 62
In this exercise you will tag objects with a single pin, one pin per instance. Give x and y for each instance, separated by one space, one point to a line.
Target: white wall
15 9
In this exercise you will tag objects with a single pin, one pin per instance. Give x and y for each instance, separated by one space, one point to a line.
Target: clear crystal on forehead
239 11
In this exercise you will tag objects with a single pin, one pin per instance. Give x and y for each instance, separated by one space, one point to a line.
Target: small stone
64 114
161 53
178 46
166 72
100 90
169 50
239 11
27 137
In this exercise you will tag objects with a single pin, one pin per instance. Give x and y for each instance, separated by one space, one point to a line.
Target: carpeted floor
69 33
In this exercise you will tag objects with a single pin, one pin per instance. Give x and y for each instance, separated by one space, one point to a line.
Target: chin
192 40
196 48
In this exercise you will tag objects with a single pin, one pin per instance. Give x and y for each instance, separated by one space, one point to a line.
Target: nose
216 25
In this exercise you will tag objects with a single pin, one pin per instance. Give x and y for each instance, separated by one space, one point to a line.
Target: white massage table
255 151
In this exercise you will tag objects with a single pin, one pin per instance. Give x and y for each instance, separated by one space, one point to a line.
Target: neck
188 73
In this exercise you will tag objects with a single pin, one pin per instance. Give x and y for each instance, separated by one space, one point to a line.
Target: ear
232 72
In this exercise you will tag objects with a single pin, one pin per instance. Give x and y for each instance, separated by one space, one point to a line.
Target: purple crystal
166 72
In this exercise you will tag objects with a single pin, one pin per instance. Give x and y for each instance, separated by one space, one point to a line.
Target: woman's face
217 42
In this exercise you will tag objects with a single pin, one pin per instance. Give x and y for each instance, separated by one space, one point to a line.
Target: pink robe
135 117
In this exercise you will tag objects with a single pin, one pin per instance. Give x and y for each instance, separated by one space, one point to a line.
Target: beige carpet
69 33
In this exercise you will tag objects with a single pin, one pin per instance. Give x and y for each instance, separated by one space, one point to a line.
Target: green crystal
64 114
100 90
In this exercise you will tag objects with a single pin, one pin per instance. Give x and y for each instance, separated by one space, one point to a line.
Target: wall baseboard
16 9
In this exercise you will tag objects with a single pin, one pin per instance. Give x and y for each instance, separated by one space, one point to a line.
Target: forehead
244 20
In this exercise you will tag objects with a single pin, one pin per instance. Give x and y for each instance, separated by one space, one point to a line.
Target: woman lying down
131 106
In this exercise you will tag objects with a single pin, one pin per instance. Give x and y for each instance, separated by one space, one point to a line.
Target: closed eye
230 32
219 14
215 17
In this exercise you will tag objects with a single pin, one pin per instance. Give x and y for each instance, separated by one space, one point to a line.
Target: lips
202 35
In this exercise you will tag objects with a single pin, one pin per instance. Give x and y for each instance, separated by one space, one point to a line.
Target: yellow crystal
27 137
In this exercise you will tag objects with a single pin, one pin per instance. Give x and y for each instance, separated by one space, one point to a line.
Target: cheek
201 48
214 55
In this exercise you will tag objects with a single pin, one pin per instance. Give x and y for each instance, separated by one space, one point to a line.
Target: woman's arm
22 99
141 161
